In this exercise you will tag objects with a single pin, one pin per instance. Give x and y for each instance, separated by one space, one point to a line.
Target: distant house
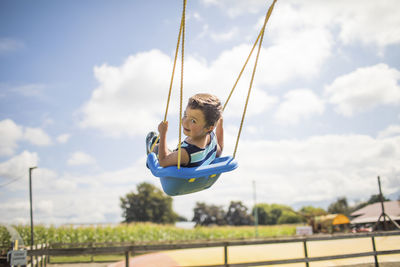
370 214
330 223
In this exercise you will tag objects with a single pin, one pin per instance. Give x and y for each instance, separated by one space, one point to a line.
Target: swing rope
181 91
259 40
181 33
181 40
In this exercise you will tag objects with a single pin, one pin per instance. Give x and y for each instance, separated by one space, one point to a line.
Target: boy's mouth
187 130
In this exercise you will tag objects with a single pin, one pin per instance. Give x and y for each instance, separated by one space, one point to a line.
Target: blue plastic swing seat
182 181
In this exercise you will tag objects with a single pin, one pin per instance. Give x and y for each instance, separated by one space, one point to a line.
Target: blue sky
81 83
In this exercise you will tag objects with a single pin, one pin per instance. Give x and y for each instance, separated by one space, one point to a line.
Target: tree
289 216
376 198
269 214
208 214
309 212
340 206
373 199
149 204
237 214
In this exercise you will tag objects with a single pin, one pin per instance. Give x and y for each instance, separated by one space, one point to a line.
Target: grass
86 259
140 233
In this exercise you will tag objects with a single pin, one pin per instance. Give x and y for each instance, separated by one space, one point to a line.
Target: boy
202 115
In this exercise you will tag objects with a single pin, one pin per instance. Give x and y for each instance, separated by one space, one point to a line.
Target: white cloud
305 170
392 130
17 167
130 98
37 136
324 162
10 134
56 201
299 104
299 47
197 16
235 8
364 89
80 158
286 172
225 36
63 138
373 22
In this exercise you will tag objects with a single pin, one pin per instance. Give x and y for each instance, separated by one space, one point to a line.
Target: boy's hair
209 104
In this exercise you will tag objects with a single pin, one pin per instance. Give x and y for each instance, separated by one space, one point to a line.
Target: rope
181 28
181 93
259 40
241 72
261 37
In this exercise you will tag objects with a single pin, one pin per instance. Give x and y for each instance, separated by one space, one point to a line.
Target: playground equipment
176 180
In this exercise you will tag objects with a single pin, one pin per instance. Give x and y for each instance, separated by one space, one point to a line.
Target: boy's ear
211 128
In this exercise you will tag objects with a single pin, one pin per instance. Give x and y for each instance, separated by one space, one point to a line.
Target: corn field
139 233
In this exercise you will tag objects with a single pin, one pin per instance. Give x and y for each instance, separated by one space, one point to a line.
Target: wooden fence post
306 252
47 252
45 259
127 258
375 254
226 254
36 257
91 256
42 257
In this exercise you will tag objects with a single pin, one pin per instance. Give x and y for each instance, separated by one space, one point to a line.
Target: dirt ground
93 264
384 264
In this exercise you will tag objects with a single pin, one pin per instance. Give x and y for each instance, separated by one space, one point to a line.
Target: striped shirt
201 156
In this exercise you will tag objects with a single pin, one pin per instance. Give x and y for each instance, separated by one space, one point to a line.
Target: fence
33 259
134 249
38 259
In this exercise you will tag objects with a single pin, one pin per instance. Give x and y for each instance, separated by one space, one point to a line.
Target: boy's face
194 123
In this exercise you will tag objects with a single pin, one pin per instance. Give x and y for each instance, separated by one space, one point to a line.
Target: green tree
149 204
376 198
373 199
269 214
237 214
340 206
309 212
289 216
208 214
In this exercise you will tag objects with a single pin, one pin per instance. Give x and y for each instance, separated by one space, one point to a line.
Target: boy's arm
165 157
219 132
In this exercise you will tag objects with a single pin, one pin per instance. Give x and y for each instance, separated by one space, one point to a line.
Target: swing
182 181
179 181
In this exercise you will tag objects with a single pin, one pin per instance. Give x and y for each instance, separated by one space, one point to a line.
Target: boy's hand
163 128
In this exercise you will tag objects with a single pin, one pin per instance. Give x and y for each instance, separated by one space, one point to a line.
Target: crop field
139 233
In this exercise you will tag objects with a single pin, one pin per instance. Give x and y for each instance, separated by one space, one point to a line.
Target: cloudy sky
82 82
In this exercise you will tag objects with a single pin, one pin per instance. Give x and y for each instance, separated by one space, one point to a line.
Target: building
370 214
330 223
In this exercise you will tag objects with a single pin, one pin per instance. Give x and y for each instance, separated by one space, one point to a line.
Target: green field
140 233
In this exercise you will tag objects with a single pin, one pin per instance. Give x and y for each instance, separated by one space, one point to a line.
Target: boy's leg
150 139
